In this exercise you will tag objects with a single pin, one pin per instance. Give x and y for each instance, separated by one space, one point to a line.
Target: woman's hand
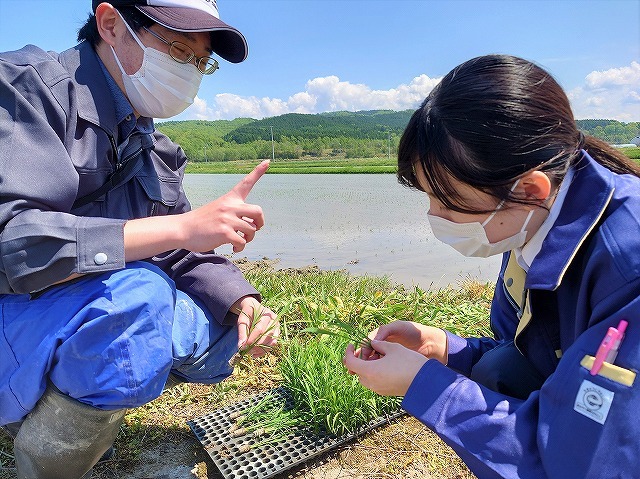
258 326
429 341
389 375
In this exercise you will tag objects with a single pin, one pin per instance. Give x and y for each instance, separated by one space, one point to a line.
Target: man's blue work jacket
58 142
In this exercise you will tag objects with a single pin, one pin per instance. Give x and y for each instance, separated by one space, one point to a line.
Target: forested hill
371 125
362 134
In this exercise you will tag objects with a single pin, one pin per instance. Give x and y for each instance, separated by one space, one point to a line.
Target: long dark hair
490 120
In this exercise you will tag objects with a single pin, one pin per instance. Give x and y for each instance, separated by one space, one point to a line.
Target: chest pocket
161 188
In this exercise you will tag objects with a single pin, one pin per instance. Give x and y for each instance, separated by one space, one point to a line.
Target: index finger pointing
244 187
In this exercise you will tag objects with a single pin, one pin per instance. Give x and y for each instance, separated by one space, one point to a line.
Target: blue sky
311 56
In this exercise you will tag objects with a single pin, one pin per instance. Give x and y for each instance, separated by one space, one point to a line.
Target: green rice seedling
268 421
267 403
275 421
344 330
254 320
329 398
353 323
332 318
272 439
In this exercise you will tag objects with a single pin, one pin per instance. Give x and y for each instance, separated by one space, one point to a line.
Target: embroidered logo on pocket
593 401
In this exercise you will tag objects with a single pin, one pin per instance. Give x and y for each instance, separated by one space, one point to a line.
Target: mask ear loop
135 37
133 34
526 222
500 205
485 222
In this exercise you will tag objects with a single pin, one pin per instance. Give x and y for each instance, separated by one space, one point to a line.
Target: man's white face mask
470 239
162 87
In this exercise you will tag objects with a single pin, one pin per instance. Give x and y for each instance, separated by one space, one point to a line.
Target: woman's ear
534 184
106 19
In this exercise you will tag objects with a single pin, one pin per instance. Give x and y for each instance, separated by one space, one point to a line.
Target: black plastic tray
263 462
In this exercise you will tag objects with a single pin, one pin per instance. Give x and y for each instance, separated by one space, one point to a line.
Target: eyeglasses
184 54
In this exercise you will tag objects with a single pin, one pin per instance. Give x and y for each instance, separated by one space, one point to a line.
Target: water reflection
366 224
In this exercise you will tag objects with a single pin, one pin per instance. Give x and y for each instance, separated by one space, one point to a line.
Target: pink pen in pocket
608 349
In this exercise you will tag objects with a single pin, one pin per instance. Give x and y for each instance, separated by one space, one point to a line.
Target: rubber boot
12 428
63 438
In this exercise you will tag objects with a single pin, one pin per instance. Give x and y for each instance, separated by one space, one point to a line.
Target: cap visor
227 42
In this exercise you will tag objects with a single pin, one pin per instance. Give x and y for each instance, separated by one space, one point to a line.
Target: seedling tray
263 462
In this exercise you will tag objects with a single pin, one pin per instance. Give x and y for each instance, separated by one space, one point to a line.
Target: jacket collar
587 199
95 101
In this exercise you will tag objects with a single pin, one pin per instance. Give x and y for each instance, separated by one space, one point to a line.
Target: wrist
147 237
436 345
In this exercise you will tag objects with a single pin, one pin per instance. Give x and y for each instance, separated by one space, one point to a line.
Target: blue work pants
108 340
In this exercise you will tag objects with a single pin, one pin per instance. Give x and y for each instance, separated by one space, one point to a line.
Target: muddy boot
12 428
63 438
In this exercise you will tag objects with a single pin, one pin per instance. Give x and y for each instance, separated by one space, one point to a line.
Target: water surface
364 223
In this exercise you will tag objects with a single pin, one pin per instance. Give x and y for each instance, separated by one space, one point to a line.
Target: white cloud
320 95
614 77
612 94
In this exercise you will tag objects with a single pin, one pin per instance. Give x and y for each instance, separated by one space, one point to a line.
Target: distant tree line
611 131
364 134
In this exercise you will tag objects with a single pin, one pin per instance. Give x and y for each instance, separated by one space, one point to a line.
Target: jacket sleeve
40 242
577 426
464 353
211 278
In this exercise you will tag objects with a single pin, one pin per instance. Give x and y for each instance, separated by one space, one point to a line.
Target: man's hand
226 220
258 326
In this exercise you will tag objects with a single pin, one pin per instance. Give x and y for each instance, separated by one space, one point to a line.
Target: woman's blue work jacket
585 279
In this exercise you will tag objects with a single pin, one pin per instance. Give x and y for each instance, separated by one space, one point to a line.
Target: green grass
310 365
324 165
305 165
632 152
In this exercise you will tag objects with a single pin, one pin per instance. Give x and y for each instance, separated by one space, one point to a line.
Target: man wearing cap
109 287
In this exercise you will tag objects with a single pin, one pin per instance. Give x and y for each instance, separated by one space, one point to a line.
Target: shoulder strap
124 171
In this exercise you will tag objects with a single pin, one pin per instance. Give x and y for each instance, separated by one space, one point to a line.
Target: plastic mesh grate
261 462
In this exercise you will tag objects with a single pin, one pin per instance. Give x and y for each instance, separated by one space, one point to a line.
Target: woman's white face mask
470 239
162 87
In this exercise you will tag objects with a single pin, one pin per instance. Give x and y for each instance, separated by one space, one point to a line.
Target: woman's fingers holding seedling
392 374
365 351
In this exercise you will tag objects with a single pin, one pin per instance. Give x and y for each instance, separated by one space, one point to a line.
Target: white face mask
470 239
162 87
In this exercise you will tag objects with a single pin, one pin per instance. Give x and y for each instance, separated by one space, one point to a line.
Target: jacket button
509 282
100 258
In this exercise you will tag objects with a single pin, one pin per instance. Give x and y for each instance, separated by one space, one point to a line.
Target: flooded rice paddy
363 223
